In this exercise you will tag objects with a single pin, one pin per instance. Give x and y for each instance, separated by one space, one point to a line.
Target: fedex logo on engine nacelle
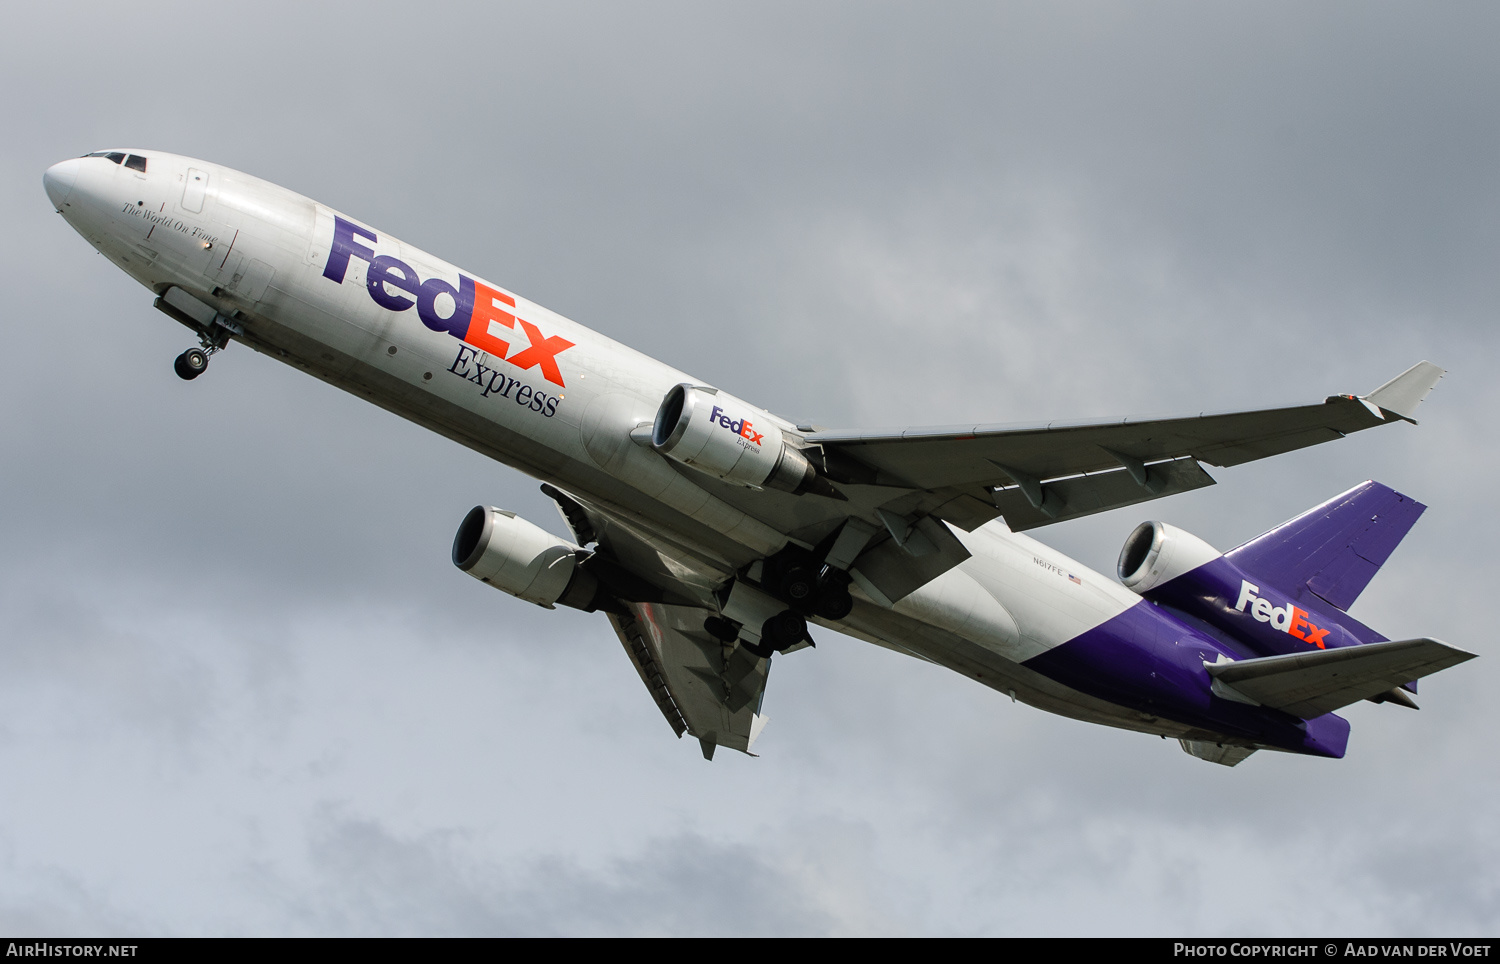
477 308
739 426
1289 619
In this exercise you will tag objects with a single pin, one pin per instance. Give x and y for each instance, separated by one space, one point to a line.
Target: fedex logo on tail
739 426
1289 619
478 315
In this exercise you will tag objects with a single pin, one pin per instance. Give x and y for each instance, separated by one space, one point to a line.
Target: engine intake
718 434
505 551
1156 553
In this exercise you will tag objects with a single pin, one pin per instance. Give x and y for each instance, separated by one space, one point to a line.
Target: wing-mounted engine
503 550
732 440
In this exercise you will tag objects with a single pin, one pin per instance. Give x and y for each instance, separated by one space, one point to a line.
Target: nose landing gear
192 363
212 327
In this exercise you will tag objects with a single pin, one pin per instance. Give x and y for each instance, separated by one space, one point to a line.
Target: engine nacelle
718 434
1177 569
502 549
1156 553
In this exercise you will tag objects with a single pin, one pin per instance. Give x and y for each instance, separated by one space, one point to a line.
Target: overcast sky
243 690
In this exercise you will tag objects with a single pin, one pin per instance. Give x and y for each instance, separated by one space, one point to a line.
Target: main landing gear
777 634
776 596
780 633
807 585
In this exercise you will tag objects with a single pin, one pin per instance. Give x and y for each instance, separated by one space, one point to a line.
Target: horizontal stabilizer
1311 684
1334 550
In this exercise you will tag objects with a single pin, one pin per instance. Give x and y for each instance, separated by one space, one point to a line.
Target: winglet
1401 395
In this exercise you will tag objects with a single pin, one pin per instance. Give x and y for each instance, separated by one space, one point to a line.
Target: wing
703 687
1034 475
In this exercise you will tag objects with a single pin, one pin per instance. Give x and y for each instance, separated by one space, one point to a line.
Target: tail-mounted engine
1156 553
505 551
718 434
1175 568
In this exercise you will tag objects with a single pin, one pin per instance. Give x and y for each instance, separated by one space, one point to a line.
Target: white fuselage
556 400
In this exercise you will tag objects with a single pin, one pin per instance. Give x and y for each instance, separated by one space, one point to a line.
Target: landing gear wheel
834 602
190 364
721 629
798 585
783 630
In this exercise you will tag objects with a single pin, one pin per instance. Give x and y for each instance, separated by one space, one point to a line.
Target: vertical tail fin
1333 551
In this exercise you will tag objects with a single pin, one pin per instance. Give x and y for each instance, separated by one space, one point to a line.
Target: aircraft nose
58 180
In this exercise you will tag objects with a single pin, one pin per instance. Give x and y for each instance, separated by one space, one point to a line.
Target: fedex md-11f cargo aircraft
711 533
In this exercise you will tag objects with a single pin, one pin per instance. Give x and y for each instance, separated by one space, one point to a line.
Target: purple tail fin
1333 551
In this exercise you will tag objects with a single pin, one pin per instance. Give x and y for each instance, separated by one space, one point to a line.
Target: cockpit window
133 161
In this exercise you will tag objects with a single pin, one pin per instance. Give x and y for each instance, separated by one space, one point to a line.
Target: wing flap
890 571
1071 498
1311 684
703 688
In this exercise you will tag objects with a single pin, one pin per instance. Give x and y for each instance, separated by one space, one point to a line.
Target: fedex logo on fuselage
477 308
739 426
1290 619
